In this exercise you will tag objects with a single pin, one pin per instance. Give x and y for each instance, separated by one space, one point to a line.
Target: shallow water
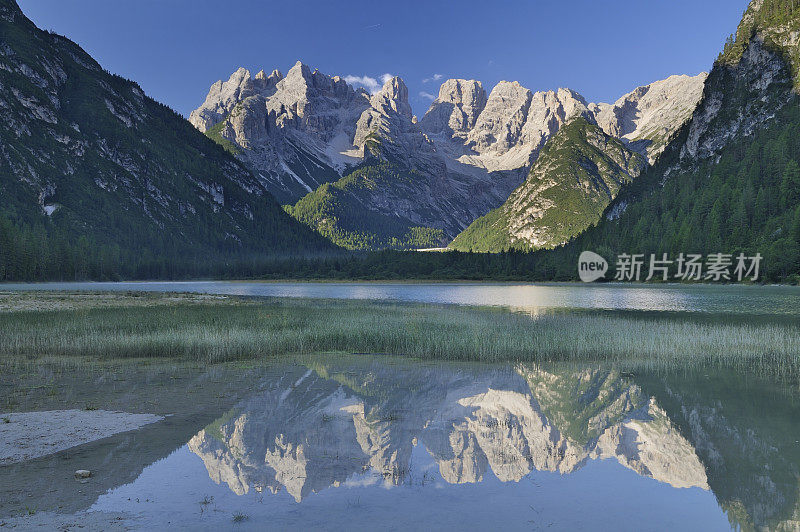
727 299
363 442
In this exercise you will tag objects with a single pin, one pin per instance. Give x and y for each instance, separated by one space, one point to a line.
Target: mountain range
363 171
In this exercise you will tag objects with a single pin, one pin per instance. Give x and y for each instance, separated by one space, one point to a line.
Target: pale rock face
468 463
653 447
457 108
647 117
223 96
582 169
529 440
499 127
548 112
296 132
503 132
390 119
514 124
529 203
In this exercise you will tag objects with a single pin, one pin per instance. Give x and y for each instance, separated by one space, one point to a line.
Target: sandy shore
29 435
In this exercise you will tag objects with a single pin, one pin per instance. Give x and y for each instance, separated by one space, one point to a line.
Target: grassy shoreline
44 327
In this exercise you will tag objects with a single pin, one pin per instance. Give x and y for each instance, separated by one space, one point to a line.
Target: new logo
591 267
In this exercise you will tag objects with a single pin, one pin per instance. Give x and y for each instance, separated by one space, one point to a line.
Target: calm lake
366 442
729 299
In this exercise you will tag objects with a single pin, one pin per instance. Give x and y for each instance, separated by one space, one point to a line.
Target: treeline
34 254
45 252
30 254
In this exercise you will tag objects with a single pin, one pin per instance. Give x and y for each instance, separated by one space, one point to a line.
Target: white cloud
371 84
427 95
435 77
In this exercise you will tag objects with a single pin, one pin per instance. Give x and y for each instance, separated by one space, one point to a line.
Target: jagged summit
647 117
456 109
295 131
506 130
728 179
756 74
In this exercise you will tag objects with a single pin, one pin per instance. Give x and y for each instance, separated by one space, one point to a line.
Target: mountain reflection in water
332 423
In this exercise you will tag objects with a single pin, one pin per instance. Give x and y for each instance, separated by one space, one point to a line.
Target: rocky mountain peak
646 117
135 163
500 124
393 97
572 104
506 130
456 109
463 92
775 22
309 128
757 73
389 121
271 79
580 167
299 70
221 98
294 88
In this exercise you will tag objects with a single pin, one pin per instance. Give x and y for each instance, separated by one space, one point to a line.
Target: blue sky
175 49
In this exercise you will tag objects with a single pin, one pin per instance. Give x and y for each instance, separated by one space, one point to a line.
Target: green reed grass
214 331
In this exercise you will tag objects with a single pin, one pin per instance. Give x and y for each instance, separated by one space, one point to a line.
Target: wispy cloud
372 85
435 77
427 96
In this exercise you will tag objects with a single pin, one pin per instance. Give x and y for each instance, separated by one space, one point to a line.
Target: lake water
367 442
728 299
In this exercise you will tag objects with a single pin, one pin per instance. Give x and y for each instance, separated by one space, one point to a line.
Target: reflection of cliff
297 434
312 429
746 434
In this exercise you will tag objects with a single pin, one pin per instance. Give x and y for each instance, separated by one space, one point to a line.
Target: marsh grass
240 517
209 332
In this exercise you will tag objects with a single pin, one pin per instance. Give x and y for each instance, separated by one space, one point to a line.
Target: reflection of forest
315 427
